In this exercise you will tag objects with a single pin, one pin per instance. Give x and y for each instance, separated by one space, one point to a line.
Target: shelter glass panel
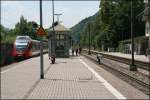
62 36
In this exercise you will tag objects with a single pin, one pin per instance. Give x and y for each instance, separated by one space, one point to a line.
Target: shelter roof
60 28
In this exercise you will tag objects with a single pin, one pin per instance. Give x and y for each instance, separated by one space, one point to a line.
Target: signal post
41 32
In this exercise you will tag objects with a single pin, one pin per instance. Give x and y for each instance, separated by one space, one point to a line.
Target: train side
25 47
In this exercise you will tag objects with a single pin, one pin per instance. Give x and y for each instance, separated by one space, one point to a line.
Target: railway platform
142 58
69 78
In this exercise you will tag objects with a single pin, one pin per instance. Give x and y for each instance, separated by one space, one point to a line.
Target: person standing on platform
76 51
72 51
80 49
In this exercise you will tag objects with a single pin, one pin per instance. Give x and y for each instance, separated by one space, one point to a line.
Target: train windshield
21 47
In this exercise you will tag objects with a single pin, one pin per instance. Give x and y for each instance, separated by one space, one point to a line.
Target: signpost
41 31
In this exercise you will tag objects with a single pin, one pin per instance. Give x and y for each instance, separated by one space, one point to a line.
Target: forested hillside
111 24
79 28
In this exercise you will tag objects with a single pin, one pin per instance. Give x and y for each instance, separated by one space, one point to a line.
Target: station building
59 41
140 45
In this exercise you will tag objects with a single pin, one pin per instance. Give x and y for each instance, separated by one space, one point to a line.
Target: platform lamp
53 30
89 39
132 66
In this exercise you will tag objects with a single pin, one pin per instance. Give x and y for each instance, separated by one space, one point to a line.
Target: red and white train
25 47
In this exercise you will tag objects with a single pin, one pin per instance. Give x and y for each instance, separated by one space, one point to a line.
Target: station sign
41 31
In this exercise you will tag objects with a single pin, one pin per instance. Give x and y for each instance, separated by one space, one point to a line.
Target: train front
22 48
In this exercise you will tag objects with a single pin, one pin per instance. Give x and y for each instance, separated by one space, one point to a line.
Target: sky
72 12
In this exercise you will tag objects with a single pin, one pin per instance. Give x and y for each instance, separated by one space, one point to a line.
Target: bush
120 47
5 55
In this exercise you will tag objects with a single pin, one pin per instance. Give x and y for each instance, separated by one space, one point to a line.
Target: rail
127 76
139 64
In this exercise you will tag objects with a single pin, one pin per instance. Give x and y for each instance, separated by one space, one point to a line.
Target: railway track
141 85
139 64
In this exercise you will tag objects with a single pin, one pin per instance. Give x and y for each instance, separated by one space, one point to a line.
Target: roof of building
146 14
60 28
142 38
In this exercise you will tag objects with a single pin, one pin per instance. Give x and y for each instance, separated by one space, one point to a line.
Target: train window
21 40
21 47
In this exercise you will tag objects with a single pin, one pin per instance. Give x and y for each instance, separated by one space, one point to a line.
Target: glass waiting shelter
59 41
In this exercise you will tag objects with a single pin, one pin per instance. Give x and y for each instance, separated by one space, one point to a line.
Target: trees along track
141 85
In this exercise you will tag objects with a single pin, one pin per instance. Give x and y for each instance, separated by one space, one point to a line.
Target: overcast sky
73 11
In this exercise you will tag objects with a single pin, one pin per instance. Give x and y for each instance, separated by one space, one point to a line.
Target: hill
79 28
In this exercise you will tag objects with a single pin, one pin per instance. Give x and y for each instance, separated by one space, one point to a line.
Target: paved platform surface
69 78
18 78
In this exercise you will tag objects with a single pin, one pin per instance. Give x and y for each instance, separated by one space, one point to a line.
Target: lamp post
41 45
89 40
53 33
53 12
132 66
149 24
148 50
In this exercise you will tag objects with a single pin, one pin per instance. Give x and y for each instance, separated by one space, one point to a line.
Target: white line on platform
14 67
116 93
9 69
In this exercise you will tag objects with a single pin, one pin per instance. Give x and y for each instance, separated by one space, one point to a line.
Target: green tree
21 27
117 16
31 29
26 28
112 23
